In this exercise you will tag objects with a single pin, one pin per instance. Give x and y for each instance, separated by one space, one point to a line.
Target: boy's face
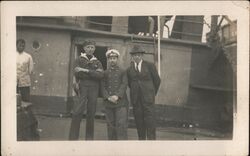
89 49
137 57
113 60
20 46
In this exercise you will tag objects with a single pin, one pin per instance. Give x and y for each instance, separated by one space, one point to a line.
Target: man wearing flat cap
114 86
88 73
144 82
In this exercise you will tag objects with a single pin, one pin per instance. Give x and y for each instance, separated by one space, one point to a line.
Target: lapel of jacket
132 67
143 66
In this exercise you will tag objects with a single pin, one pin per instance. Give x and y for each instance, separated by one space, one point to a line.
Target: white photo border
9 11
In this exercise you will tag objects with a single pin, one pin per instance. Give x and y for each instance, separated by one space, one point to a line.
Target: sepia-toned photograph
107 78
94 79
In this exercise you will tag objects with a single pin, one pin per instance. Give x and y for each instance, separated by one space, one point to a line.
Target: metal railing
104 24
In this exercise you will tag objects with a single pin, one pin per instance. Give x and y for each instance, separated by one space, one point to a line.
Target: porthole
36 45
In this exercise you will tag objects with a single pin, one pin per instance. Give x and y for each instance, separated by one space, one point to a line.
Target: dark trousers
117 123
27 125
144 119
88 95
25 93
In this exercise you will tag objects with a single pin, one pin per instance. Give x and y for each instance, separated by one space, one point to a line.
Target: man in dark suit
144 82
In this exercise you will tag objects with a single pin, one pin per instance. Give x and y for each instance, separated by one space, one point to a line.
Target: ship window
103 23
36 45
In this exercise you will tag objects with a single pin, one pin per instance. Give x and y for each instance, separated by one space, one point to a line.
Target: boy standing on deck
88 73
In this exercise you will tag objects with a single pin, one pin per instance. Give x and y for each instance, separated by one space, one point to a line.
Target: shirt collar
113 67
139 64
20 53
85 56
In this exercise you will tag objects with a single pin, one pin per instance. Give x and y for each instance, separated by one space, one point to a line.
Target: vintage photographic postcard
125 78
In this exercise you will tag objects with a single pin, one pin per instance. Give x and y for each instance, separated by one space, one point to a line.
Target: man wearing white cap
114 86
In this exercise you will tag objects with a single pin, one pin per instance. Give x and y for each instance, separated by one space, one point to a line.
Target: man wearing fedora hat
88 73
114 86
144 82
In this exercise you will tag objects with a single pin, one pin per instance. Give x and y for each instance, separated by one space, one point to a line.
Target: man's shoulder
119 68
106 71
82 59
96 62
148 63
122 69
27 54
130 67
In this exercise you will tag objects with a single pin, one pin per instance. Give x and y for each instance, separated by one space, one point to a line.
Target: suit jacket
146 82
115 82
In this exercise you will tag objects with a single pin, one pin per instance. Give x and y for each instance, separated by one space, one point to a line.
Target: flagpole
159 46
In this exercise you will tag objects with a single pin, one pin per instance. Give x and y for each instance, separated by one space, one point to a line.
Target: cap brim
112 56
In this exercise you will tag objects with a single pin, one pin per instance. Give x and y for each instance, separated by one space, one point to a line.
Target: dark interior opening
100 55
138 24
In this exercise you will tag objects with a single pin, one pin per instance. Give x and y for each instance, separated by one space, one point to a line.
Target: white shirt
24 66
139 65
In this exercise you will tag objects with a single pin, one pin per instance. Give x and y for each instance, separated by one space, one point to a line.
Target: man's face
113 60
20 46
89 49
137 57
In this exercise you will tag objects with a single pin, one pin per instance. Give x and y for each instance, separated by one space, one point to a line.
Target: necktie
137 67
